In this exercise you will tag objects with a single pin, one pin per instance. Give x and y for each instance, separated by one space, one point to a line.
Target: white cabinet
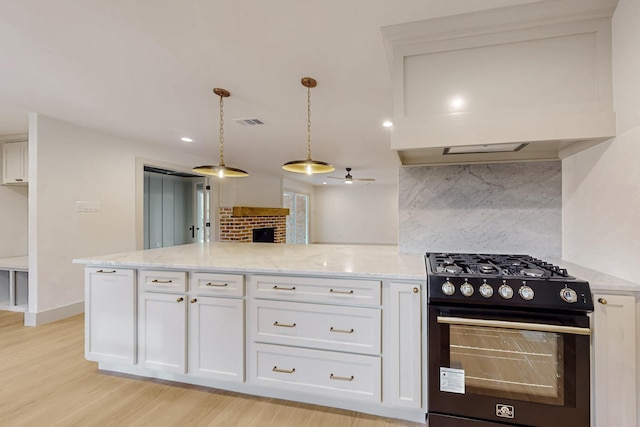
216 338
403 359
110 321
184 329
319 335
163 332
341 375
614 361
15 163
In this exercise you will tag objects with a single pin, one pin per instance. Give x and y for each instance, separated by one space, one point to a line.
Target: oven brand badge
504 411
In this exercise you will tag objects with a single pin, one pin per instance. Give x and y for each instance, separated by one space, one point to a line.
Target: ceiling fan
348 179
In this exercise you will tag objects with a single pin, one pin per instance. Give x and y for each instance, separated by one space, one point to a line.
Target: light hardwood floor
45 381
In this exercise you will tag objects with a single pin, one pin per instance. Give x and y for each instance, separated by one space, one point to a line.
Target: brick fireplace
237 223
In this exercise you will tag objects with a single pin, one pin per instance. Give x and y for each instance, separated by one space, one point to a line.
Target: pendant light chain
221 131
308 123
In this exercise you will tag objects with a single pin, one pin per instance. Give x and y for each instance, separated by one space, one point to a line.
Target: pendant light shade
308 165
221 170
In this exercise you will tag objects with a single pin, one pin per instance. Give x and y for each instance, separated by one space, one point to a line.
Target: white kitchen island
333 325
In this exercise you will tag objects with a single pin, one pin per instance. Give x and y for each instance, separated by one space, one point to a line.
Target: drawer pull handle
416 290
194 300
603 301
284 371
284 325
180 299
337 378
217 284
105 271
333 291
342 331
161 281
280 288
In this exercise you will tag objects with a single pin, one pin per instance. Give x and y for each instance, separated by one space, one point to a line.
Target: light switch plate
87 206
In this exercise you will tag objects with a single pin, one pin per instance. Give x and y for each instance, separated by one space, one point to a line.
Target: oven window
509 363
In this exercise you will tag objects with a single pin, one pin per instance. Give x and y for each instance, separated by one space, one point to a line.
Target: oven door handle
540 327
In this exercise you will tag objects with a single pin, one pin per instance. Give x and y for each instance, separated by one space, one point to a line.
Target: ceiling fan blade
364 179
336 177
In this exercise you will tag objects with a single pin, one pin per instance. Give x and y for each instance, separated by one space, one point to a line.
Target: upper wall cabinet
15 163
526 82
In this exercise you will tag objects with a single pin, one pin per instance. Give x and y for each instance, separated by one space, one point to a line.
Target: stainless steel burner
453 269
532 272
486 268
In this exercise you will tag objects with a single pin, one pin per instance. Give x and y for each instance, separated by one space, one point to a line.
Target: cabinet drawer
165 281
318 290
354 329
217 284
351 376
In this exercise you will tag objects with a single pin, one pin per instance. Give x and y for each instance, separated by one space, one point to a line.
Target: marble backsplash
486 208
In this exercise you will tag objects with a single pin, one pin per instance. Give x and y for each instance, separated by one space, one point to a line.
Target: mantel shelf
239 211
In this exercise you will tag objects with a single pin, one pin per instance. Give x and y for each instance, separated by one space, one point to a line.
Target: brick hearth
239 228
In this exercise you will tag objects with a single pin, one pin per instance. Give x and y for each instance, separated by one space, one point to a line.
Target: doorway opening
298 218
176 208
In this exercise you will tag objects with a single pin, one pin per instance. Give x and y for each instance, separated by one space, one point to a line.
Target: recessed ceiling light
387 123
186 139
324 182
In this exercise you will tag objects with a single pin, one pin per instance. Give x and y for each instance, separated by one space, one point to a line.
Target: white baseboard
54 314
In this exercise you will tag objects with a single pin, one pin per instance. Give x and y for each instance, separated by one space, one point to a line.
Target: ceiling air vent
251 121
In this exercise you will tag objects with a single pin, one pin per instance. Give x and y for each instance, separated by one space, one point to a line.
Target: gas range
504 281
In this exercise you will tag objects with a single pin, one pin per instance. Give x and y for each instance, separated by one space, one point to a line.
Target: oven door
517 368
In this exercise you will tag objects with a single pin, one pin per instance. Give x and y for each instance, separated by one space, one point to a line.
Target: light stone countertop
368 261
324 260
598 281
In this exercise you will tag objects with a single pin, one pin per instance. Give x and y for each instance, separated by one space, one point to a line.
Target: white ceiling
145 70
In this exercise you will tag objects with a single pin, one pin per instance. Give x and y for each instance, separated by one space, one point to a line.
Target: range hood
519 83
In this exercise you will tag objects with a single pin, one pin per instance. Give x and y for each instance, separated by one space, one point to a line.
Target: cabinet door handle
180 299
217 284
333 291
603 301
416 290
337 378
342 331
280 288
284 371
105 271
161 281
194 300
19 179
284 325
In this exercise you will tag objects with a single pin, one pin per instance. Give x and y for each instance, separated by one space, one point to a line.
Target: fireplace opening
264 235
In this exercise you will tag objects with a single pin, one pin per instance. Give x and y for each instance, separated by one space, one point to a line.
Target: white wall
13 219
601 186
360 214
258 190
69 164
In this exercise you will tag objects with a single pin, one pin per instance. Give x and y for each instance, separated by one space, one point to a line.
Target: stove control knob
448 288
505 291
526 293
466 289
486 290
569 295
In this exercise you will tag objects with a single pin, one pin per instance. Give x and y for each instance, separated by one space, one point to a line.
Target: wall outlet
87 206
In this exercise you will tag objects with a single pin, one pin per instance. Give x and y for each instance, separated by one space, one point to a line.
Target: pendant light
308 166
221 170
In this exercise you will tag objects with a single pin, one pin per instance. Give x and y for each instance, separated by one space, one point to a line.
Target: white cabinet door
15 163
163 332
110 322
402 337
216 338
614 361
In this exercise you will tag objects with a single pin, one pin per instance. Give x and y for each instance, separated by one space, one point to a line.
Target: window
298 219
